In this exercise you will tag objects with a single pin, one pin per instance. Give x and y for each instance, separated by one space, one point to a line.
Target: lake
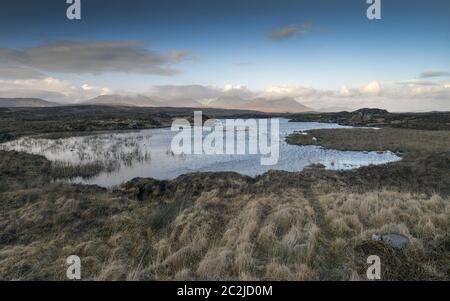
147 153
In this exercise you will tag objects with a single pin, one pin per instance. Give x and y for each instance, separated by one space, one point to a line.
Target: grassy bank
406 142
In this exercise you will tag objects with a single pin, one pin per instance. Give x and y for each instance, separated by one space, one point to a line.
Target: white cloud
95 89
372 88
345 91
229 87
51 89
420 89
288 91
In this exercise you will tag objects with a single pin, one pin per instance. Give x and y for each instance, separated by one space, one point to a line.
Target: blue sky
229 42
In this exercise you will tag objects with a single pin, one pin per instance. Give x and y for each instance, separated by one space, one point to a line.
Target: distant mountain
228 102
119 100
139 101
181 102
280 105
26 102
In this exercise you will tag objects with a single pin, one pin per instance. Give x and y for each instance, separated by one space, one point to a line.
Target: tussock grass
214 227
354 218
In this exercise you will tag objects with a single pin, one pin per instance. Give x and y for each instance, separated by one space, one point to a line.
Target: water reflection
147 153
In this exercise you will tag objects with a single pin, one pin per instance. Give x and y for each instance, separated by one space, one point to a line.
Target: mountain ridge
276 105
26 102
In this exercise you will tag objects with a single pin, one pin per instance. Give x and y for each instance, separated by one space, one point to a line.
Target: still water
147 153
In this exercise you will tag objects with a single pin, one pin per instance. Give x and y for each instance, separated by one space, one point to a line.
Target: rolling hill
26 102
139 101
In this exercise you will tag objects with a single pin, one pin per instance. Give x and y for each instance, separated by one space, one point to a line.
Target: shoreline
82 173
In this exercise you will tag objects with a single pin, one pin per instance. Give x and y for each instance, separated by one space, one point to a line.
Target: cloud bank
90 58
394 96
50 89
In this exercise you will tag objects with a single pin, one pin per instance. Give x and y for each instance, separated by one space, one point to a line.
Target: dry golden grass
354 218
218 227
240 237
361 215
244 239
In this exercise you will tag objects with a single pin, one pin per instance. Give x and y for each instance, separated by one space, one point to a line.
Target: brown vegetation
405 142
18 122
381 118
311 225
209 226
